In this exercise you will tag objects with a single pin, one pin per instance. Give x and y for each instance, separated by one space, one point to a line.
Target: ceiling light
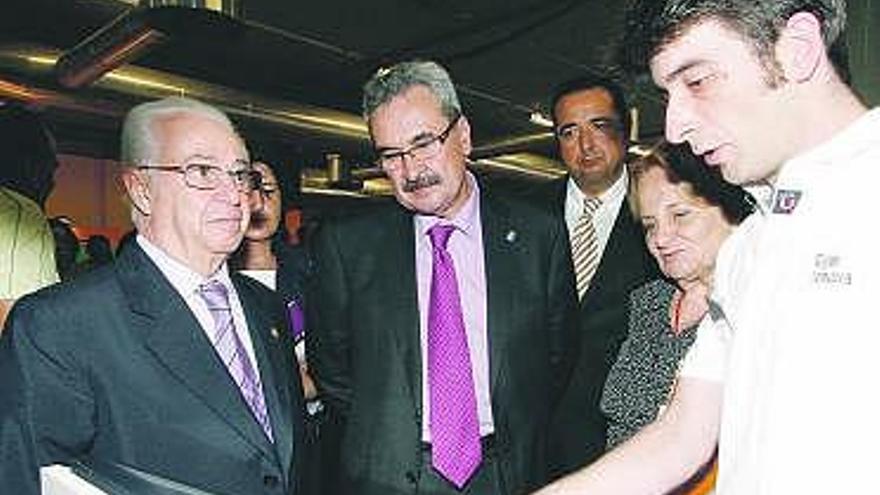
540 119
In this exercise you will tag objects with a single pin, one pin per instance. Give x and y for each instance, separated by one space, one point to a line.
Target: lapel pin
510 236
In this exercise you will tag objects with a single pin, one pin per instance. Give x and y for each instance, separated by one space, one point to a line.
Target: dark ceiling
504 55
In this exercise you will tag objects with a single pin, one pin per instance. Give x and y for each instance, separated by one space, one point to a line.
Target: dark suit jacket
363 340
578 425
114 366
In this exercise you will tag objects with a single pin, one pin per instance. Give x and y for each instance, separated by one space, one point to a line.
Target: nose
410 166
663 234
234 194
679 119
256 200
586 139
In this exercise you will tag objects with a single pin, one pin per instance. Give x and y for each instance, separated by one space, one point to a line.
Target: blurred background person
98 250
27 258
28 149
68 251
687 211
266 256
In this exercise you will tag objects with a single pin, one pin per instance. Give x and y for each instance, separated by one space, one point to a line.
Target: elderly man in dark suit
440 328
164 361
609 256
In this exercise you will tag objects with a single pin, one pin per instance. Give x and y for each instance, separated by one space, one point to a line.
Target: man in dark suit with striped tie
592 124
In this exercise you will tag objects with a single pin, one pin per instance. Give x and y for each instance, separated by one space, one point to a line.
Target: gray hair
387 83
139 144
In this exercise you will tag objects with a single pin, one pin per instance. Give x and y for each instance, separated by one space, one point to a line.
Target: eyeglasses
608 126
207 176
423 148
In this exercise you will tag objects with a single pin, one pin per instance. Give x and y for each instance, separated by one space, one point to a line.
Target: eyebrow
197 156
613 116
567 125
684 67
213 160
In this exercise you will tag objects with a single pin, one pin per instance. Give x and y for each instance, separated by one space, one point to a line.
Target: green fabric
27 249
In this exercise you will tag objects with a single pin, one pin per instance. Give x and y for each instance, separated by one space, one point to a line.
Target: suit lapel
624 243
173 335
498 235
400 256
275 376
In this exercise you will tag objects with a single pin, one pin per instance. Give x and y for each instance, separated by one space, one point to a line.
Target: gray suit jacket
115 367
364 346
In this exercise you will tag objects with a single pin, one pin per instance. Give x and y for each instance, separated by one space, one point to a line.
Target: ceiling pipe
145 84
514 144
23 67
124 39
137 31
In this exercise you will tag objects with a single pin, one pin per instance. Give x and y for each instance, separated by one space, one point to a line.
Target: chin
260 235
421 205
731 173
226 244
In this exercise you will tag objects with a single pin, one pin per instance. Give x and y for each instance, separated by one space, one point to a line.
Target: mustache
421 181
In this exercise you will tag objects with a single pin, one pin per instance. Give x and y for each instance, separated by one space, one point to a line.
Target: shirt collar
184 280
575 197
849 141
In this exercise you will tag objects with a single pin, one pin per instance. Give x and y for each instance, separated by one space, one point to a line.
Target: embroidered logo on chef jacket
786 201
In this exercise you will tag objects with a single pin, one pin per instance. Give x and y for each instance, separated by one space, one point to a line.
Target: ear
464 135
138 190
800 49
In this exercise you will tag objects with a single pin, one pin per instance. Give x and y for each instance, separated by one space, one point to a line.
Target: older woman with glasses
687 211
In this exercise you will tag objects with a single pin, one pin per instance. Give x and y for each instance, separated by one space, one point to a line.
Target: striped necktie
231 351
585 247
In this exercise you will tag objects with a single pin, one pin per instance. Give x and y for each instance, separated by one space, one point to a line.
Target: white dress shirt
605 215
187 282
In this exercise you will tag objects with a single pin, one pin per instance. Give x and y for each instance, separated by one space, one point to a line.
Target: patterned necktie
455 432
232 352
585 247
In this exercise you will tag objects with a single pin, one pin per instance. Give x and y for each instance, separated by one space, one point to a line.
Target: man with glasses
440 328
592 123
163 362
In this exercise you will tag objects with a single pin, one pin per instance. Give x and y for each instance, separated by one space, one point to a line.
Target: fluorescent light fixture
540 119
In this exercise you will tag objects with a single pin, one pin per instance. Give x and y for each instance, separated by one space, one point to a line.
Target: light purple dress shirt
466 247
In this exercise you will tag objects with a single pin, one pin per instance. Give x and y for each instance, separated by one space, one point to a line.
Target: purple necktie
232 352
455 430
